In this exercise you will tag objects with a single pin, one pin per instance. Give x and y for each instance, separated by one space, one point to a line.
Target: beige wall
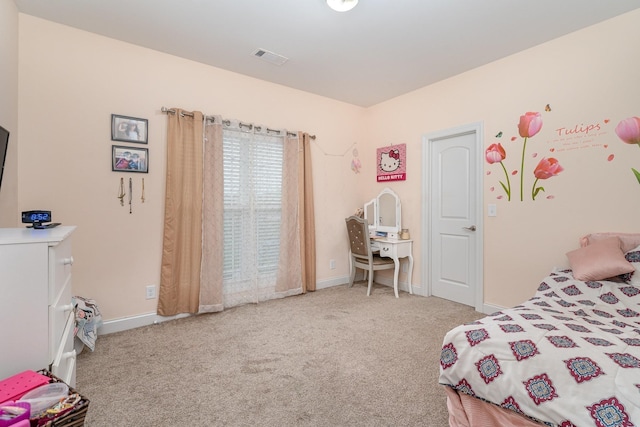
72 81
586 77
9 109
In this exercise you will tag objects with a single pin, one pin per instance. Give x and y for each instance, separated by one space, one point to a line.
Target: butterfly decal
547 108
499 134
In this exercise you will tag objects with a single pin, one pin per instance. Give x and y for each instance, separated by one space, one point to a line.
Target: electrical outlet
405 267
332 264
151 291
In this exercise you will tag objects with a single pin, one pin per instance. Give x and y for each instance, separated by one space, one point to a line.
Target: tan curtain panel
306 214
182 241
289 278
211 297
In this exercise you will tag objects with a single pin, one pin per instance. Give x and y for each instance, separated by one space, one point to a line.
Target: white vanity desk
396 249
383 214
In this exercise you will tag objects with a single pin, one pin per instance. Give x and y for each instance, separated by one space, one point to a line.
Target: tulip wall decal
628 130
529 125
495 154
545 170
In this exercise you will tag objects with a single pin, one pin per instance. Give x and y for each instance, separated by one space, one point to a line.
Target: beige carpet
334 357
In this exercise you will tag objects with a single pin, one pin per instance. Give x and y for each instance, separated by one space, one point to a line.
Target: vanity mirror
384 212
370 213
389 211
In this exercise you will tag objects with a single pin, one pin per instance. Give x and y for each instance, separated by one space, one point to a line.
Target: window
252 213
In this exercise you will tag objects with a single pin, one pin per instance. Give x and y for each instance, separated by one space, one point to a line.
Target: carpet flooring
333 357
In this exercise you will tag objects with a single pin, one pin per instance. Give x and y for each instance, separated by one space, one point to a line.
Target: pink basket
13 388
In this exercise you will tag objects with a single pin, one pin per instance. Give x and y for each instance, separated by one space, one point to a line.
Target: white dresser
36 315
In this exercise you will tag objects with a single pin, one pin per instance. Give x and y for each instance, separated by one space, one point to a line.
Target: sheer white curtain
239 224
260 235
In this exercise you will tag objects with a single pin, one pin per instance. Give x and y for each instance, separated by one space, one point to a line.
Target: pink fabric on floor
467 411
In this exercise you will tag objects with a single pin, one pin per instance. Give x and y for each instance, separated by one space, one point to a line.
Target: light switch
492 210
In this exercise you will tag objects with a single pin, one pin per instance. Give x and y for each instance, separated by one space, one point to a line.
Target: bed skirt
467 411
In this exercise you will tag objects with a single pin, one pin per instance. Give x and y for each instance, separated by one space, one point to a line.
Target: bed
569 356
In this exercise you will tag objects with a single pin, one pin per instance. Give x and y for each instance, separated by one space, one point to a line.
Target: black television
4 143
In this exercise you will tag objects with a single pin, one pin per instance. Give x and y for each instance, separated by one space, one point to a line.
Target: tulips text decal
628 130
529 125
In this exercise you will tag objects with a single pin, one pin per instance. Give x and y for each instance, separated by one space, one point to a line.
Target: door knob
472 228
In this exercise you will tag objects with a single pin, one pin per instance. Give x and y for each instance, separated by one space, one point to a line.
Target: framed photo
128 129
129 159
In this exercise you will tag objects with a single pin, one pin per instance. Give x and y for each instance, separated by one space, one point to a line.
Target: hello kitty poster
392 161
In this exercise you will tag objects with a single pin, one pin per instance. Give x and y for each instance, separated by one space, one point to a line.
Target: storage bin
45 396
73 417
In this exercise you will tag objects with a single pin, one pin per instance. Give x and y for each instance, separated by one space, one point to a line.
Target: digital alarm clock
37 219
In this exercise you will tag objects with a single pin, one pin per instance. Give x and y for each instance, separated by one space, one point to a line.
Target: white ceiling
377 51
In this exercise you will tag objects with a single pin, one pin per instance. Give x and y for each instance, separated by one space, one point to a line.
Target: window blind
252 211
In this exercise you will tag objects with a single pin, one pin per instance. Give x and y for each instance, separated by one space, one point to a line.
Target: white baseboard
490 309
387 281
336 281
126 323
132 322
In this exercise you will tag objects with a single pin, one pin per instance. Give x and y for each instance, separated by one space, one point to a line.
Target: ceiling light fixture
342 5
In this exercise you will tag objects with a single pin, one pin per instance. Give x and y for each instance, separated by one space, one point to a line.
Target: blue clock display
40 217
36 217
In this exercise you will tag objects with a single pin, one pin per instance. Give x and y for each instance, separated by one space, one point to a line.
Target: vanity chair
383 218
361 254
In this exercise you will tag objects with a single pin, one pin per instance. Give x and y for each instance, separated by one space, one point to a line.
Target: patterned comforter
569 356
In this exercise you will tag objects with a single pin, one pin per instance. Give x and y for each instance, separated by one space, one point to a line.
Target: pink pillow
629 240
599 260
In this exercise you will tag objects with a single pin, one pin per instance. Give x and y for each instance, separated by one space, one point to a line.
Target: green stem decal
507 189
524 148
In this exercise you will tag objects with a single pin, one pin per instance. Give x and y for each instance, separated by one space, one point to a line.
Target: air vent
270 57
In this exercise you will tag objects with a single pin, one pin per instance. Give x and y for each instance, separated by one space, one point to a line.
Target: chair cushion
378 260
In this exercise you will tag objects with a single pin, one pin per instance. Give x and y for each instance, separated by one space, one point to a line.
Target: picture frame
129 159
129 129
392 163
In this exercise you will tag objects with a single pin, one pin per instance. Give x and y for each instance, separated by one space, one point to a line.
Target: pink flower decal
628 130
547 167
495 154
530 124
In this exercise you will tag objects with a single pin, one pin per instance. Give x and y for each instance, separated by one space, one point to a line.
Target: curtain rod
190 114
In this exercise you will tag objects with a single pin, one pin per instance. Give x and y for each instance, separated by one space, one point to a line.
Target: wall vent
270 57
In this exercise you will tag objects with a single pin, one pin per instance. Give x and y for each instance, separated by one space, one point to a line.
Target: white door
453 206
